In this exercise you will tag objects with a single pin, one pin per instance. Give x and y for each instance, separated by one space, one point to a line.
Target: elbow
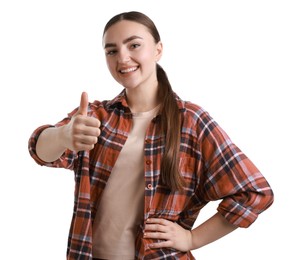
243 209
266 200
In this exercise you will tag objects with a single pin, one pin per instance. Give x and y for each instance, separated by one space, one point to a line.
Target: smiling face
132 54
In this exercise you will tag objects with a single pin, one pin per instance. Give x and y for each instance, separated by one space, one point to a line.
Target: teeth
128 70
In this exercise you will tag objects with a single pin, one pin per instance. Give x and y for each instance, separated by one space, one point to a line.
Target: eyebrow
131 38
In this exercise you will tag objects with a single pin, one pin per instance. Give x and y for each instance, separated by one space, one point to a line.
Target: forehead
124 29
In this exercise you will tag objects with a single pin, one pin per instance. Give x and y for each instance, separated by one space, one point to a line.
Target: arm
50 145
229 176
79 134
211 230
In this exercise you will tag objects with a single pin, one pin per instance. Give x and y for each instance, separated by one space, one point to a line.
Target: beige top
121 207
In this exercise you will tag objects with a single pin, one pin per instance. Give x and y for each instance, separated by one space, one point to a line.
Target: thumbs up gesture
82 131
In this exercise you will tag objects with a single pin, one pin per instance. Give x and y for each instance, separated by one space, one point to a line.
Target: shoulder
197 121
105 108
193 111
98 109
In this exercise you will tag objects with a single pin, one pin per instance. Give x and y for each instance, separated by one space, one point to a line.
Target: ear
159 51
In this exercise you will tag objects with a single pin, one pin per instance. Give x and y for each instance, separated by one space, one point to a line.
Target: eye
135 45
110 52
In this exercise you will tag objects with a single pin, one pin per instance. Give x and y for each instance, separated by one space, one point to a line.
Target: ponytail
170 125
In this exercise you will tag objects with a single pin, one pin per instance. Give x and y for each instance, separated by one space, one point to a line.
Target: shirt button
148 162
150 186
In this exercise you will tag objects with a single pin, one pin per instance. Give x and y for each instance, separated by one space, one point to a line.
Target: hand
82 132
172 234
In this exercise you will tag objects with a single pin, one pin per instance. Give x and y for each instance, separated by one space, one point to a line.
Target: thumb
83 107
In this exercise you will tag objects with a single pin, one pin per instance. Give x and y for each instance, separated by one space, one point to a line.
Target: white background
237 59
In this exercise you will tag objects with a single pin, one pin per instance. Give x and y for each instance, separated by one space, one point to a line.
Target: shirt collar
120 101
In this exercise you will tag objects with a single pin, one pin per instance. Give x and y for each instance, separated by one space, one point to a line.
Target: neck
142 100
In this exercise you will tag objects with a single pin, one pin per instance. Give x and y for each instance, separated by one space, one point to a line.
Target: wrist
191 241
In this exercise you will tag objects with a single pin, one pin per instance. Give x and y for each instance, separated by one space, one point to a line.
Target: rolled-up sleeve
67 160
230 176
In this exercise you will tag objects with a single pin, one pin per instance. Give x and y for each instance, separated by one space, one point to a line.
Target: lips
127 70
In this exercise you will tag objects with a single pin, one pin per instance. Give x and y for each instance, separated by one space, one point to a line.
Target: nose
123 56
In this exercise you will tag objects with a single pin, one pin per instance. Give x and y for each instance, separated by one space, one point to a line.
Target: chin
129 85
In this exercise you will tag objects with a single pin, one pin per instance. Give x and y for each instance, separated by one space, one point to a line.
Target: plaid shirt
213 167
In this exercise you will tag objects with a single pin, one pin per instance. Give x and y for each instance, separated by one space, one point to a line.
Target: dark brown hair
170 117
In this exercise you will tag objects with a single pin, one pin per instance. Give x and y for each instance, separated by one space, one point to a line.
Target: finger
83 147
157 235
83 107
86 140
84 144
155 227
85 121
163 244
160 221
93 122
88 131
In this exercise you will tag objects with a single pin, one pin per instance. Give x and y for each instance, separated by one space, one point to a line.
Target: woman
146 162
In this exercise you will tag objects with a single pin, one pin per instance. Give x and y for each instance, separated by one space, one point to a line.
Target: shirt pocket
188 170
169 204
